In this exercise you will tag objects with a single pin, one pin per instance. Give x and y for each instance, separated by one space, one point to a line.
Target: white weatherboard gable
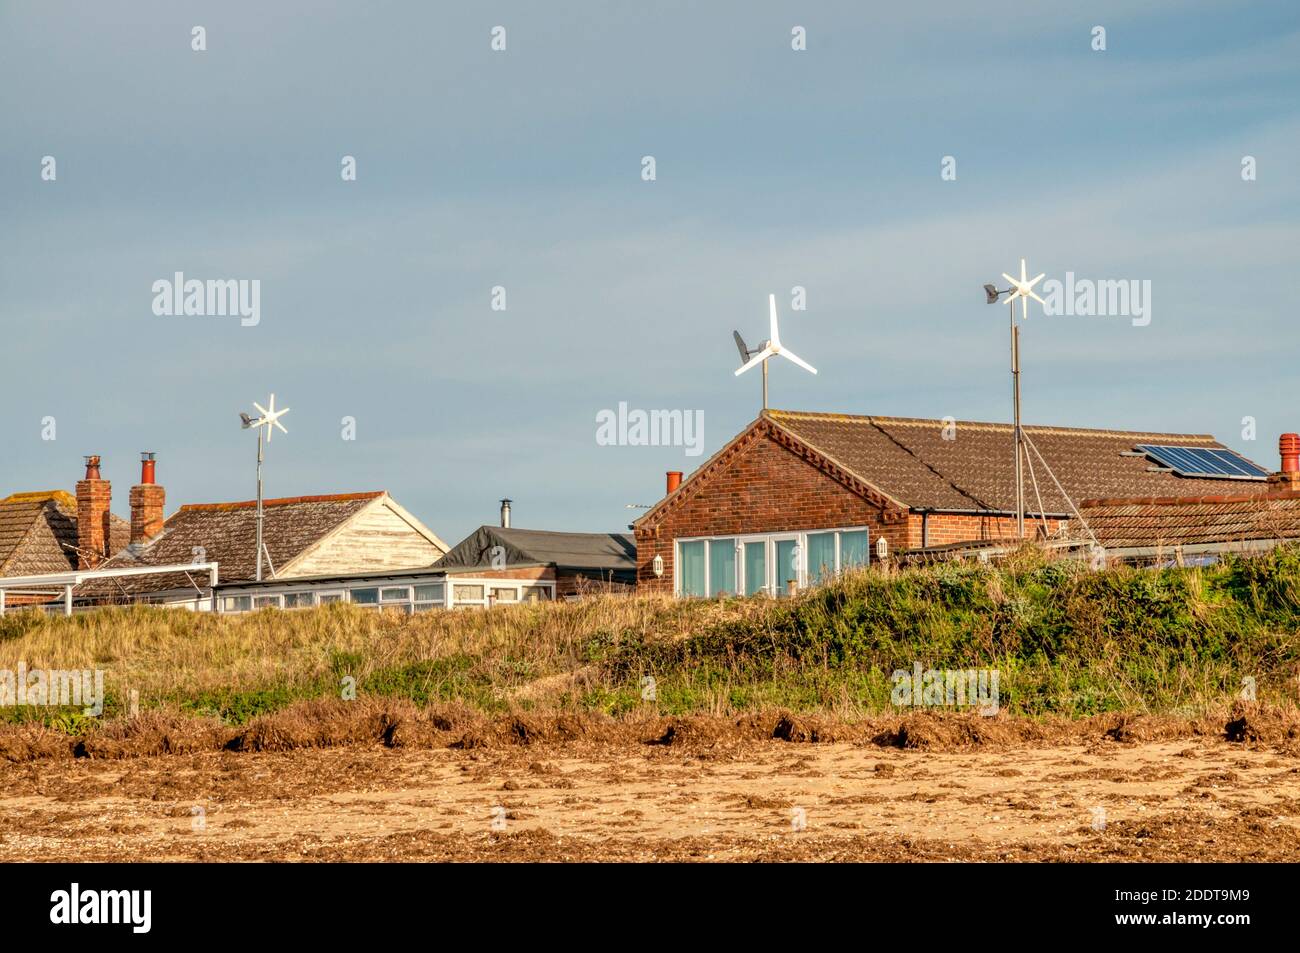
382 536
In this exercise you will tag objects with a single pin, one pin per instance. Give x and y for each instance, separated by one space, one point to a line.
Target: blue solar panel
1204 462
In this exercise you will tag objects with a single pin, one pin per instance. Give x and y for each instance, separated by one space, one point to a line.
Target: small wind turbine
1024 290
768 349
265 425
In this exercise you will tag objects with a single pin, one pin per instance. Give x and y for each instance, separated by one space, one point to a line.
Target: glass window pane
821 557
467 593
328 597
722 567
431 593
266 602
401 594
692 568
755 567
787 565
367 597
297 600
505 595
855 549
237 603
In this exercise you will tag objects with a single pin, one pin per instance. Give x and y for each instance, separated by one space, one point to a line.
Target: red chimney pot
674 480
92 468
147 501
1289 446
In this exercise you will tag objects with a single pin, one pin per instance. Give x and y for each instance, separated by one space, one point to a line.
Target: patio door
787 565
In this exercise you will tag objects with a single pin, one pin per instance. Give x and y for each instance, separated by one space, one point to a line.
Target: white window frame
768 541
296 593
488 584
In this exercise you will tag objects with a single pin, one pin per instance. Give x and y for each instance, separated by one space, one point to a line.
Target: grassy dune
1066 642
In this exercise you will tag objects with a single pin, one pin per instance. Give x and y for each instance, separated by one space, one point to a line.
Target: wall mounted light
658 565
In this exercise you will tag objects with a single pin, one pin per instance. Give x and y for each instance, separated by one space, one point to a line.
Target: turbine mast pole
259 504
1015 400
765 385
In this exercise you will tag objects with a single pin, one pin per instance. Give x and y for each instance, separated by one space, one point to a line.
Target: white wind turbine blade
1034 295
784 352
260 409
276 421
1009 278
776 336
1034 281
758 358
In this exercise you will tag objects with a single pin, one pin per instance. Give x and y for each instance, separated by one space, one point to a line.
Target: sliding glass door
786 566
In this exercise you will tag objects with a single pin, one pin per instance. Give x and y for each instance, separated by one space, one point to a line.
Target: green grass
1065 641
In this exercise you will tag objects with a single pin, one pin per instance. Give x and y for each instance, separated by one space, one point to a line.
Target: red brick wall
943 528
762 488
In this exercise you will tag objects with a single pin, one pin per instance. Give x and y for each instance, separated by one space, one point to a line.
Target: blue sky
775 168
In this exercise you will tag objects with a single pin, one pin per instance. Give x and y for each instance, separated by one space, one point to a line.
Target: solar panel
1204 462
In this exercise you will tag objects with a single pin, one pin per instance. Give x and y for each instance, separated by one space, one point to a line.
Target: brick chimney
147 499
1288 478
94 497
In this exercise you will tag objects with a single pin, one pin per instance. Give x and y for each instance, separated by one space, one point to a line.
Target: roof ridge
282 501
984 425
1190 500
41 496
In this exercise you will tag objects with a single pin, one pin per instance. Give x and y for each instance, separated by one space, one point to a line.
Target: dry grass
1067 643
397 723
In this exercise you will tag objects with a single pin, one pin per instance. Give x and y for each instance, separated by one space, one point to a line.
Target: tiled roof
38 533
910 461
35 531
226 533
1160 522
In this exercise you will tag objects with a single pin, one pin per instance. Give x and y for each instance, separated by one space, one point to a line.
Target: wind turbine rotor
758 358
790 355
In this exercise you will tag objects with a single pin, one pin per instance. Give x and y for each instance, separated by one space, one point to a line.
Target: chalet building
797 496
494 565
490 567
303 537
578 563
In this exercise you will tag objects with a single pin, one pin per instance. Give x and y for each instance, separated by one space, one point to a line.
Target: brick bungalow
304 536
814 493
